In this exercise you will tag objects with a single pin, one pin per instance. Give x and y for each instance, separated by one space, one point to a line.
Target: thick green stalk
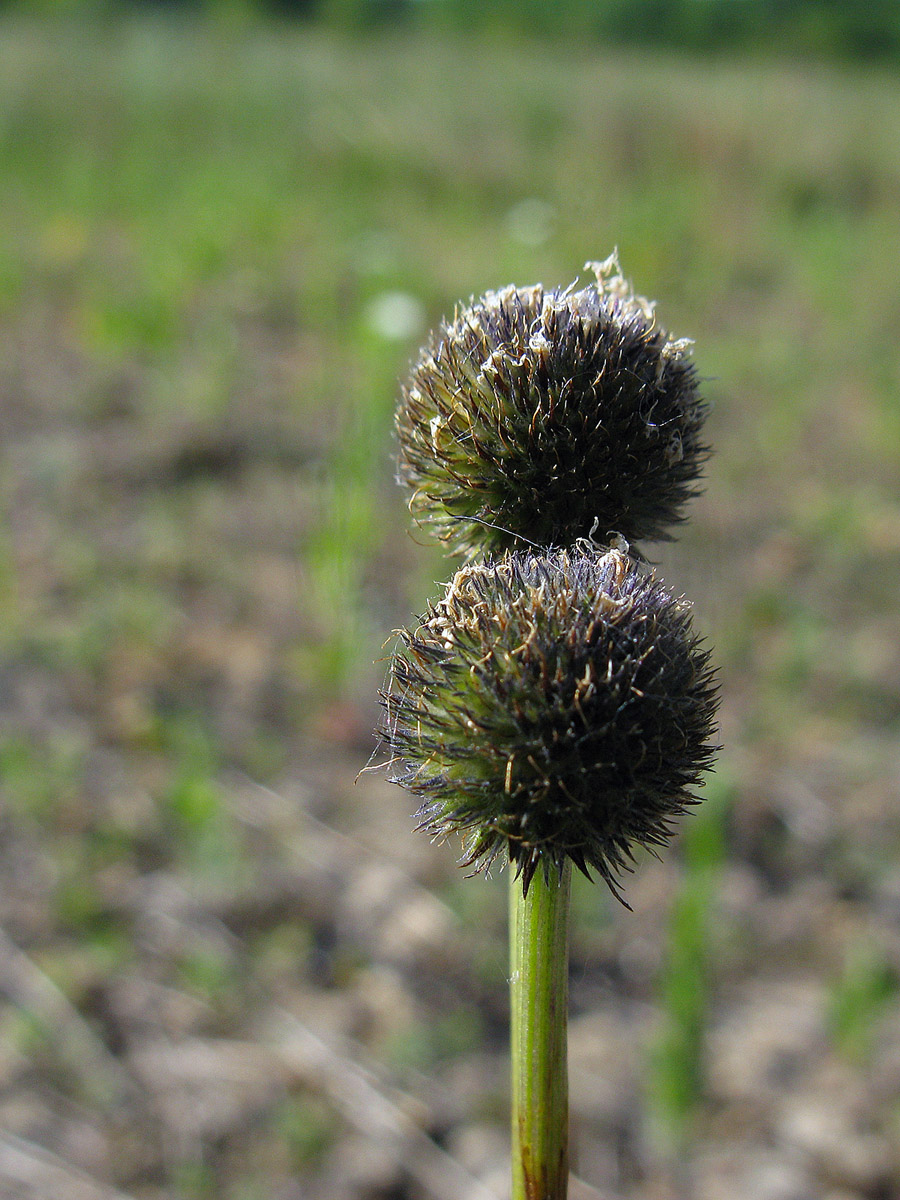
539 1001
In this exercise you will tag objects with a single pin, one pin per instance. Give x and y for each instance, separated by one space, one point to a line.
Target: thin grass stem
539 1000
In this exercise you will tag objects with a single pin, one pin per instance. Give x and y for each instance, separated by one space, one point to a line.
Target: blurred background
230 969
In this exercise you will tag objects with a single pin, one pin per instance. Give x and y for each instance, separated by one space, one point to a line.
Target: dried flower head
544 416
556 706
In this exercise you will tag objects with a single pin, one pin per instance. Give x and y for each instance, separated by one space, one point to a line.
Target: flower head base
553 706
538 417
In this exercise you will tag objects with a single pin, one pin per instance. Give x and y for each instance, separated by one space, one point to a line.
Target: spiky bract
556 706
548 416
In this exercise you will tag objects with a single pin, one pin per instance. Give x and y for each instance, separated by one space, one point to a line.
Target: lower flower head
555 707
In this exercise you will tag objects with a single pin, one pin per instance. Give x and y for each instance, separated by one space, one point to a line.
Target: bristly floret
540 416
554 706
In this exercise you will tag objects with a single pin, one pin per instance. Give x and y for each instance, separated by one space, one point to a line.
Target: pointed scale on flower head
553 706
535 415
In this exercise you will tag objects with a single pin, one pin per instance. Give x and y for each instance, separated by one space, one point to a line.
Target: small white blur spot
395 316
530 222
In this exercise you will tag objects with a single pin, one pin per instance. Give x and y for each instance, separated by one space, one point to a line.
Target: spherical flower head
558 707
541 417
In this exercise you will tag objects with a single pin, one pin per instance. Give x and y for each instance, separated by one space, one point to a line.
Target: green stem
539 1001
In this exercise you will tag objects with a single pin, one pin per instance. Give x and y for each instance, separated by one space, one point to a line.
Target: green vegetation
677 1060
815 27
307 1126
864 992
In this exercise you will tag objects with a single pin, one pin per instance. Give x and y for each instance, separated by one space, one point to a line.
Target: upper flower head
556 706
539 417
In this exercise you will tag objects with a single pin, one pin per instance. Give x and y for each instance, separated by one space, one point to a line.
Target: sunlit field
230 969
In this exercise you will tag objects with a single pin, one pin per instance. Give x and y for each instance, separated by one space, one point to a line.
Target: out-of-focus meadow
228 969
